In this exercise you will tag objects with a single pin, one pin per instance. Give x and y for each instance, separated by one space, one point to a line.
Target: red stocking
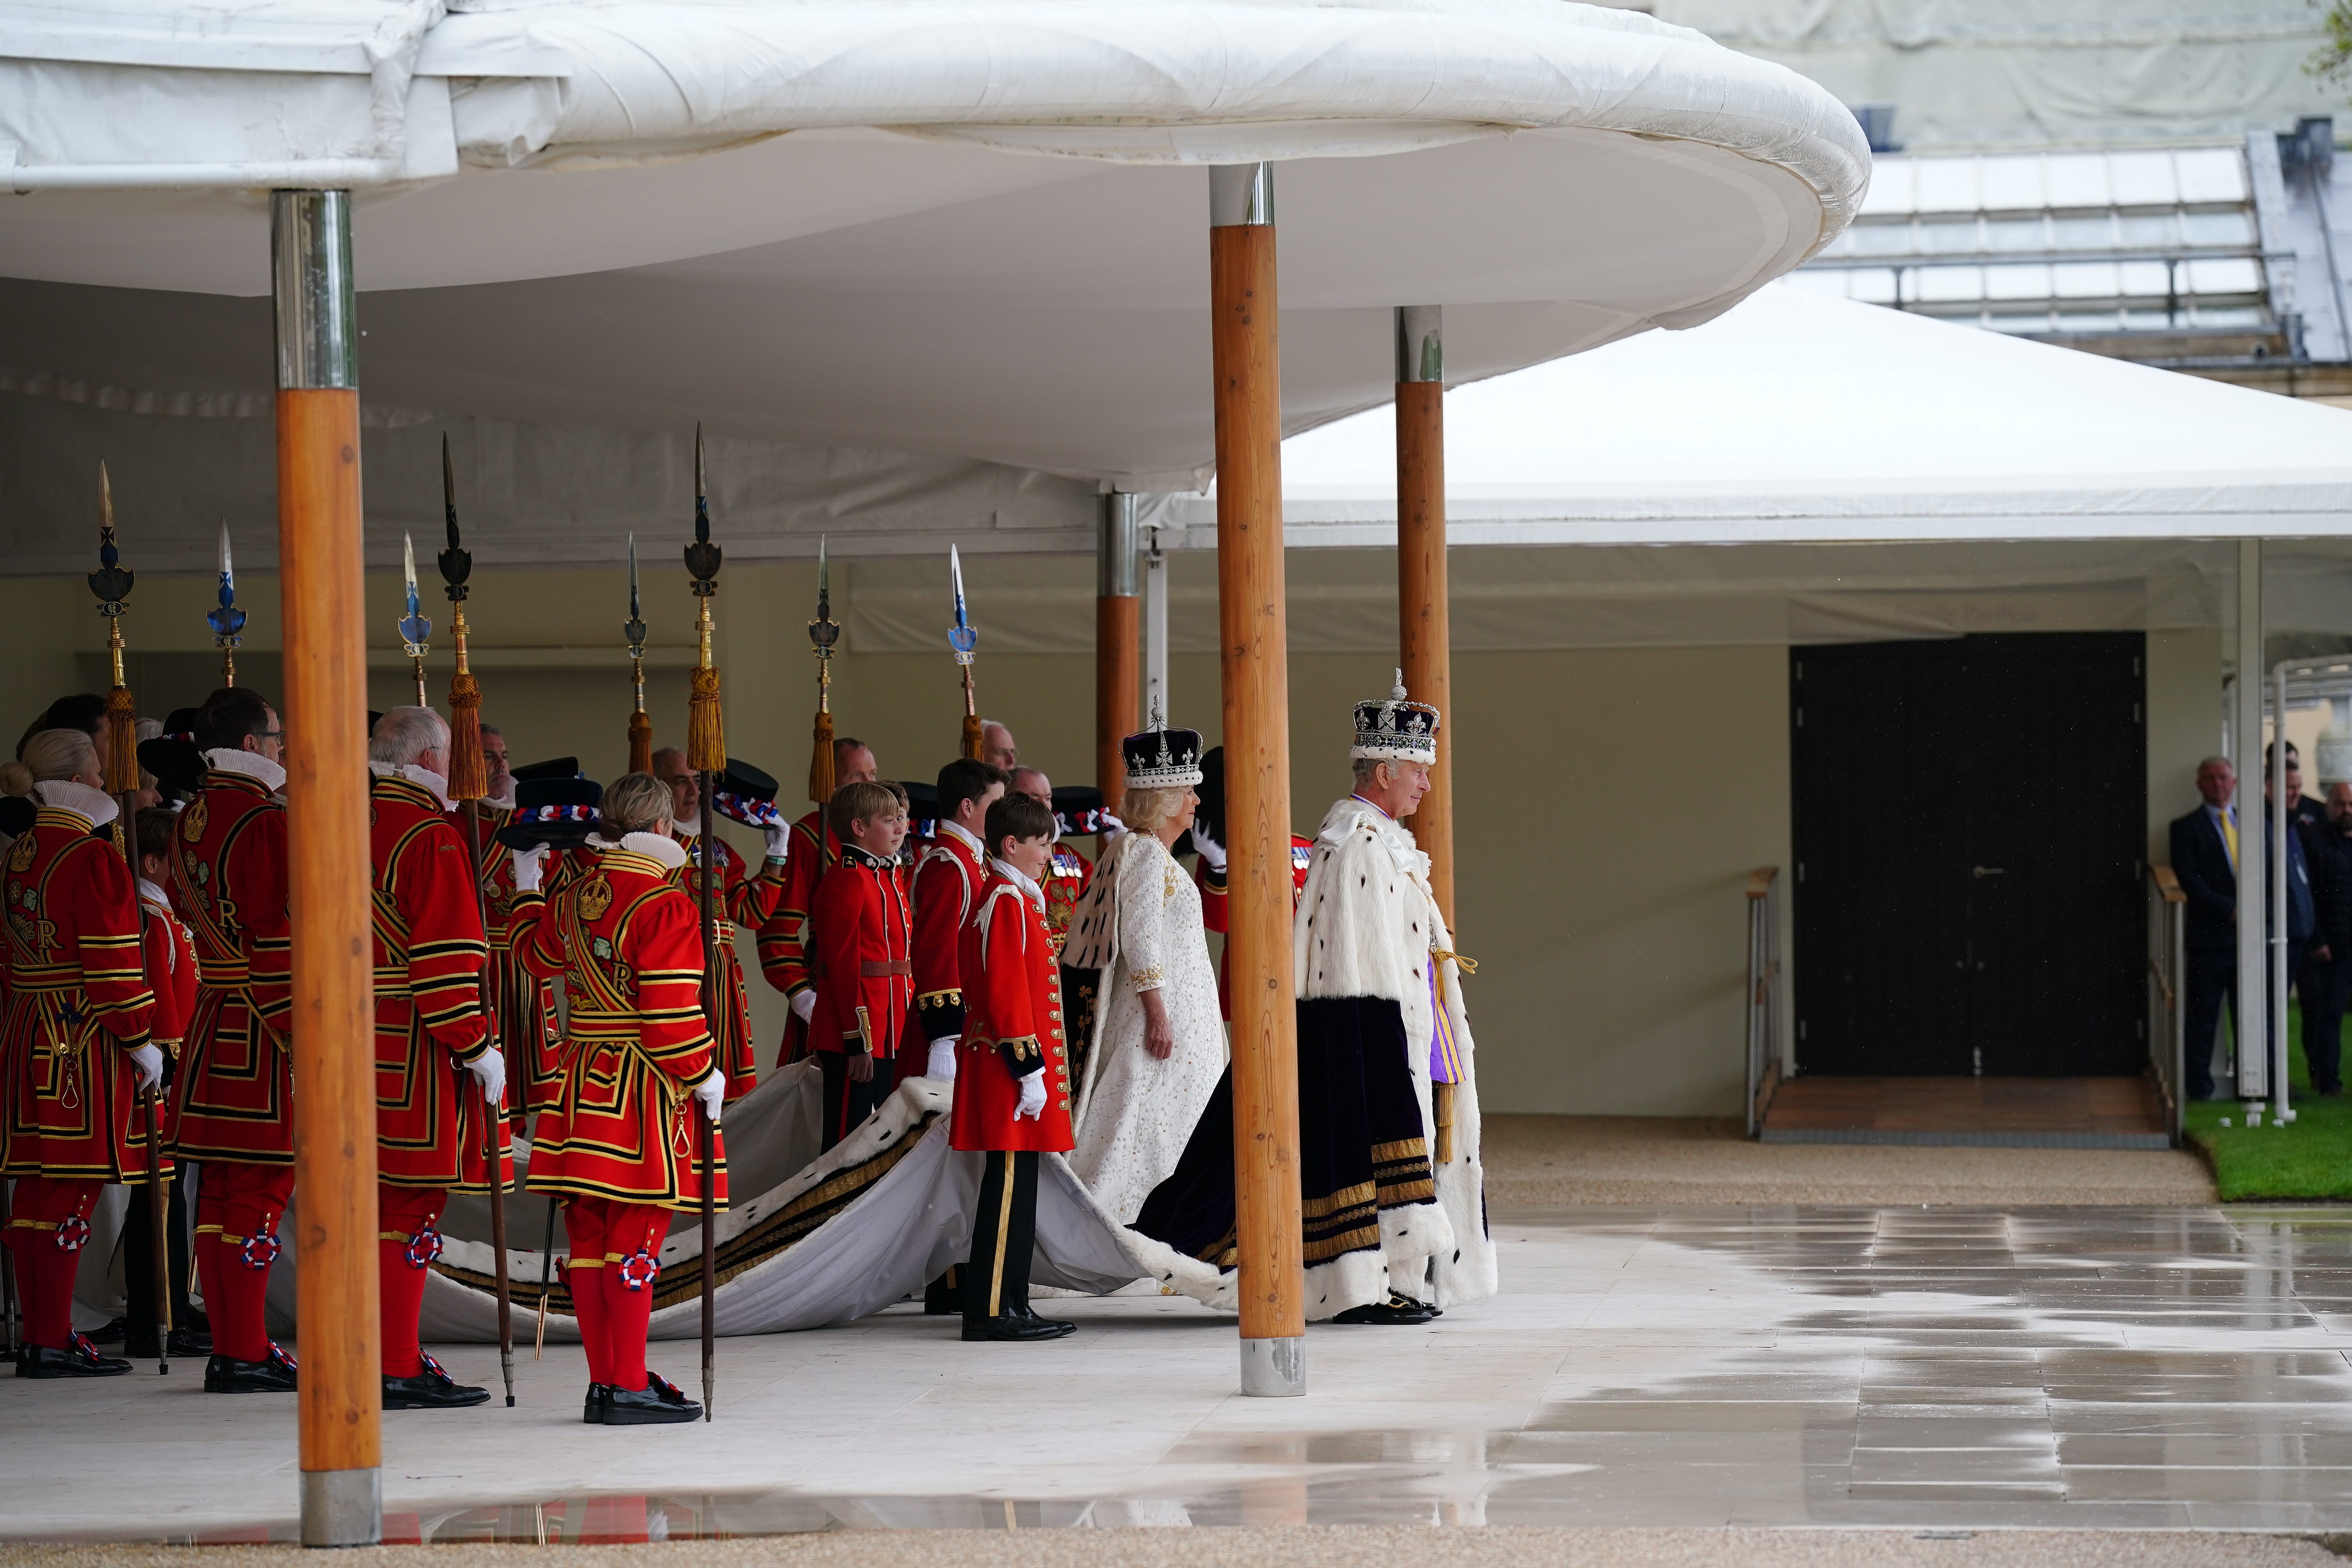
406 1243
583 1228
635 1233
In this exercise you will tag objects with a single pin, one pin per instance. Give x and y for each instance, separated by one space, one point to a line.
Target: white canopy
1796 417
955 229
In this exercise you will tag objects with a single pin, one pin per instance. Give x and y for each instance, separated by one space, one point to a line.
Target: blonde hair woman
1158 1042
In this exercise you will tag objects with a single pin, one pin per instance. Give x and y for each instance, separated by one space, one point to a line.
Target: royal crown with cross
1396 730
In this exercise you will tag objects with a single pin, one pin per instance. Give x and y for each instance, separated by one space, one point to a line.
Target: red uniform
863 934
783 936
1068 875
621 1145
740 899
233 1106
171 954
1013 1028
946 889
430 1124
1213 908
529 1031
78 1004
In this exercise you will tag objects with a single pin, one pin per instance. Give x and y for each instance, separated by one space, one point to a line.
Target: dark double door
1970 822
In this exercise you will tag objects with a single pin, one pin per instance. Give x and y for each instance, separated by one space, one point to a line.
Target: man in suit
2326 982
2205 860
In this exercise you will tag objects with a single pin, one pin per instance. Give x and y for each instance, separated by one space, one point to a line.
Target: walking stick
706 753
470 784
111 583
546 1277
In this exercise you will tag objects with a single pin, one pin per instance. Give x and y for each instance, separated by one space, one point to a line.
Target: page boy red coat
1012 1026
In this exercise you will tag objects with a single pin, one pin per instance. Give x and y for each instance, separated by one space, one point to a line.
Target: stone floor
1921 1368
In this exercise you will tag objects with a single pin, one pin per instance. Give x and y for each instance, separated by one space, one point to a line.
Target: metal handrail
1763 993
2167 1032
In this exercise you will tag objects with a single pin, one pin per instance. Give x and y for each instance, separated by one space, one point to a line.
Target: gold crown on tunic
1395 729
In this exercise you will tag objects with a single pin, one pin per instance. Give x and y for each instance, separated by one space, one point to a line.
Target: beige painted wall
2184 725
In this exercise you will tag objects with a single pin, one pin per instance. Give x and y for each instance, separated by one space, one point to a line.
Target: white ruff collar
658 846
96 804
690 826
1013 874
252 765
435 782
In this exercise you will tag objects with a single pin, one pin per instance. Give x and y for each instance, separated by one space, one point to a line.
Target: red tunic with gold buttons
1012 1026
171 963
740 899
864 975
234 1091
946 889
627 943
79 1005
1212 908
784 944
521 1002
429 956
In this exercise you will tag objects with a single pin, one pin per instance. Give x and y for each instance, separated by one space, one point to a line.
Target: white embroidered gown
1138 1111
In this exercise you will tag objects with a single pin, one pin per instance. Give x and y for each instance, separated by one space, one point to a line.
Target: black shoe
1397 1311
1395 1300
671 1394
79 1359
109 1332
646 1406
431 1389
593 1413
942 1299
1011 1329
226 1374
191 1342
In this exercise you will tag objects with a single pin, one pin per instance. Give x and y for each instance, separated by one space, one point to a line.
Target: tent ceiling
956 230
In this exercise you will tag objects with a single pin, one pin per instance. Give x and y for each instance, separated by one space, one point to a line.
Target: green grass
2311 1157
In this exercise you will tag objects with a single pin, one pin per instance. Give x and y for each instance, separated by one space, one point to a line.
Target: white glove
780 841
1111 827
804 1004
1033 1097
528 864
1213 854
942 1063
148 1062
712 1092
489 1070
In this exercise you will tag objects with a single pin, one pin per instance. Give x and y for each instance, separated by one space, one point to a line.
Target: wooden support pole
1255 661
1423 640
328 875
1116 629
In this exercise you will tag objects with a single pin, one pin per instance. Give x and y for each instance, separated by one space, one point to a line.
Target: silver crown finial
1398 694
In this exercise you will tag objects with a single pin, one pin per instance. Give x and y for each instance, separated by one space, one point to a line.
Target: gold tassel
641 743
1442 1097
971 737
123 741
467 778
706 733
821 759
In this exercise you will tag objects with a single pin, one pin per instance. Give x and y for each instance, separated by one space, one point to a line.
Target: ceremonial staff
228 620
706 753
823 632
413 626
961 640
111 583
468 783
641 729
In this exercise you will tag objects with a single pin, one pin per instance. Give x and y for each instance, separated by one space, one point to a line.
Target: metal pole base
342 1508
1273 1369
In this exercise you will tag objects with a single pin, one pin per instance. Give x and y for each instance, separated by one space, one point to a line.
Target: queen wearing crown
1155 1041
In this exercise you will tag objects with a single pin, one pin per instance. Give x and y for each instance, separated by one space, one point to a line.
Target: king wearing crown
1388 1102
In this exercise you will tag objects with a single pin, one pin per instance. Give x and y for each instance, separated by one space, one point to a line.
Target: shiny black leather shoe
592 1413
191 1342
226 1374
431 1389
79 1359
1011 1329
942 1299
647 1406
671 1394
1397 1311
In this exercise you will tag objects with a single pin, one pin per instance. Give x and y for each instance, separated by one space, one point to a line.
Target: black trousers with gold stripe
1003 1237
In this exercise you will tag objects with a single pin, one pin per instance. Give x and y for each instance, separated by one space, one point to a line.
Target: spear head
111 582
962 637
702 557
457 562
227 621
